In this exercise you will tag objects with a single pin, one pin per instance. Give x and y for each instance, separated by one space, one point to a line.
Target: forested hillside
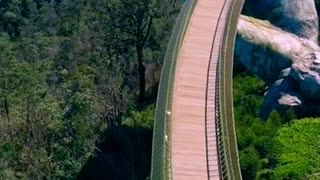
71 72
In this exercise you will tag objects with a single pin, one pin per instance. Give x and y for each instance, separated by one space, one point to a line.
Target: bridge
194 134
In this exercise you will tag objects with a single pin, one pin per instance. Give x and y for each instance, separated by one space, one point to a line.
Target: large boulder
297 16
260 8
281 93
307 73
288 63
297 86
266 50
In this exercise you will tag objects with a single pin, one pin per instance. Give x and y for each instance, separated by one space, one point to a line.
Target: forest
78 85
78 78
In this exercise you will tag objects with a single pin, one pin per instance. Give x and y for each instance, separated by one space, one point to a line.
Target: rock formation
283 51
295 16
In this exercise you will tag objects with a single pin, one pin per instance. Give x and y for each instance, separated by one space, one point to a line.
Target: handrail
211 80
161 151
161 161
228 151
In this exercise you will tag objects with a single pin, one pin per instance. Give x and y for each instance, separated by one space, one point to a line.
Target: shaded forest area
283 146
78 81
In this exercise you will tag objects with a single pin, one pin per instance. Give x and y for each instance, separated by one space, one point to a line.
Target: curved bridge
194 135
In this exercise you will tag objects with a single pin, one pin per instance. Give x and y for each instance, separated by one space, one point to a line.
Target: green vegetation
278 148
298 150
78 80
253 135
71 71
281 147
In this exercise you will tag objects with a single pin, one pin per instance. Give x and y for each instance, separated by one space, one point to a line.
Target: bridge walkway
194 150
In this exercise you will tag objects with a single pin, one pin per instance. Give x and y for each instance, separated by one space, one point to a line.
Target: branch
148 31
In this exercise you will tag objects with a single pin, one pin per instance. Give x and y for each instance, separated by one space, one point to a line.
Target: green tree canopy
298 149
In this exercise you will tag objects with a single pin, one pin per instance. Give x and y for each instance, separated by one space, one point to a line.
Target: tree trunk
174 4
6 108
142 79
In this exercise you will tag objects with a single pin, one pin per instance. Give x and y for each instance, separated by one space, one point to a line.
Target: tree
135 18
298 149
65 80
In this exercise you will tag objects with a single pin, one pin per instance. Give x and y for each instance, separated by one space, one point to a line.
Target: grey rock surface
297 16
288 63
297 86
282 93
260 8
266 50
307 73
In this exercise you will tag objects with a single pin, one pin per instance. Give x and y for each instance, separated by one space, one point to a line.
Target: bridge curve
194 136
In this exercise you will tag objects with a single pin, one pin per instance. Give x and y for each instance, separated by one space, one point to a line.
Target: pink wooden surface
193 144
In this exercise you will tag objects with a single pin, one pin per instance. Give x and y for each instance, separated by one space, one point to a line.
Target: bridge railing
161 161
227 143
228 155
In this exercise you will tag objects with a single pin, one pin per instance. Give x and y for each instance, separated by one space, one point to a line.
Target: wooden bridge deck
194 153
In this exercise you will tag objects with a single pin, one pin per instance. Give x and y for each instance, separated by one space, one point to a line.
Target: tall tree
135 18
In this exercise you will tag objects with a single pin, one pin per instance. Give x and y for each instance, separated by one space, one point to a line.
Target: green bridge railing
227 142
228 153
160 165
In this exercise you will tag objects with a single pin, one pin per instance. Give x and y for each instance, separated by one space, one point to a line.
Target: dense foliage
298 150
76 72
71 70
278 148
